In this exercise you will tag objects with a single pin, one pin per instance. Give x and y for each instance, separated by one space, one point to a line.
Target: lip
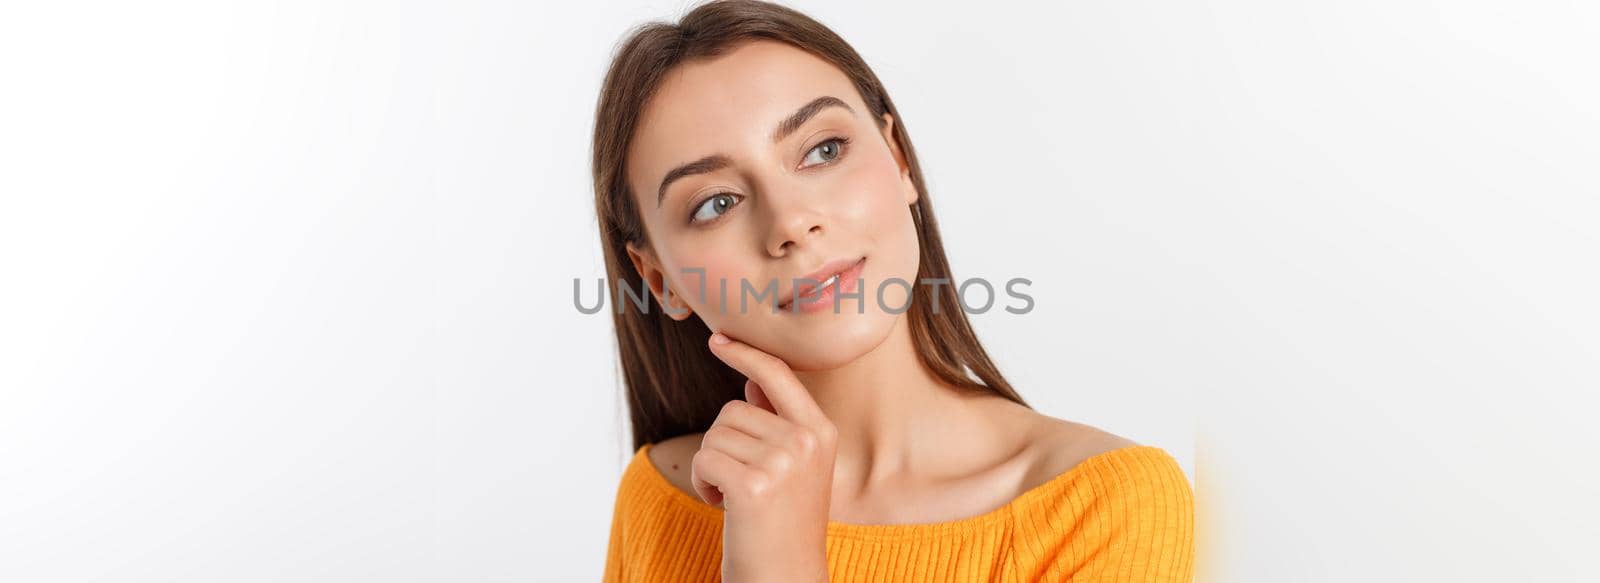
812 299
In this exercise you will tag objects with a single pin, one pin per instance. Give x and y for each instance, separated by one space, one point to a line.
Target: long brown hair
674 385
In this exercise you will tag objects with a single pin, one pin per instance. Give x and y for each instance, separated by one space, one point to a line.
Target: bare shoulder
1059 445
672 457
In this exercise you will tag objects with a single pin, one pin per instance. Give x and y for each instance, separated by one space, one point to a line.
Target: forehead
729 104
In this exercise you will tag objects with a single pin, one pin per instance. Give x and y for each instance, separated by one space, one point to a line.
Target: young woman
870 441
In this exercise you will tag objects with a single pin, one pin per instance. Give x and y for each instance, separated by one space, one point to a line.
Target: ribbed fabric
1122 515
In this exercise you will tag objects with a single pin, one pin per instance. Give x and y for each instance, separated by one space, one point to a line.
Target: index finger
788 396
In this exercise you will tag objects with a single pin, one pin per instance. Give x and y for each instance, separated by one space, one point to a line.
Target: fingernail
718 338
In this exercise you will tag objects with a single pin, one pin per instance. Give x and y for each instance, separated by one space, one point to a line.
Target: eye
713 207
825 152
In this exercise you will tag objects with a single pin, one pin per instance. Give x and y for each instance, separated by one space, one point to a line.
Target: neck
893 416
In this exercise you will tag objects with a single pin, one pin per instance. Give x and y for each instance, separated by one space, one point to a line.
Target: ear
909 186
649 268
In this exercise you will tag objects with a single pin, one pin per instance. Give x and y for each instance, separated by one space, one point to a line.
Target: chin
833 341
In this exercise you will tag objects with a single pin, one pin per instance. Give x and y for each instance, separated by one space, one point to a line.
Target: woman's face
763 166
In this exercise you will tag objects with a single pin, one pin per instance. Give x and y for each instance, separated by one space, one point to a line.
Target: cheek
882 214
873 203
704 294
722 286
871 191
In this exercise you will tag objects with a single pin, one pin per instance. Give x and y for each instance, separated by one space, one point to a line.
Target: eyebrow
788 126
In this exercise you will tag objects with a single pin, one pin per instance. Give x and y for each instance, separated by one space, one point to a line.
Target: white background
286 286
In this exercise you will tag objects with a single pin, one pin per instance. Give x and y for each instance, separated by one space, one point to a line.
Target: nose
793 224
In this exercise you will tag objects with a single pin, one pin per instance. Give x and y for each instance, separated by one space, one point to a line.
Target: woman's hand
769 461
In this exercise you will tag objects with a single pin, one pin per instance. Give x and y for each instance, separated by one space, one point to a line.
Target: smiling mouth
842 276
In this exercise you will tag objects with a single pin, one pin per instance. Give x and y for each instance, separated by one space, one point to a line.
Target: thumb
756 396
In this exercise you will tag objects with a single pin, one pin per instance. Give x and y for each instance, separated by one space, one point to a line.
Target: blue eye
825 152
713 207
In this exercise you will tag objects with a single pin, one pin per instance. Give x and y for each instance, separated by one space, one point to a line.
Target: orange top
1121 515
